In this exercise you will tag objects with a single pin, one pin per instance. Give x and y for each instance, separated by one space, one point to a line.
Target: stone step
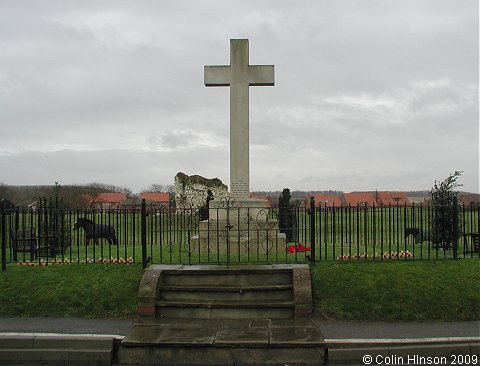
226 309
227 277
240 342
236 293
174 291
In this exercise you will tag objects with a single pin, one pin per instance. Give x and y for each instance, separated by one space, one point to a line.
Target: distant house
360 199
470 198
106 200
264 198
324 200
130 204
156 198
152 200
392 199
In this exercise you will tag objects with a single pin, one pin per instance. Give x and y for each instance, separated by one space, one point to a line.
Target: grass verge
397 290
76 290
355 290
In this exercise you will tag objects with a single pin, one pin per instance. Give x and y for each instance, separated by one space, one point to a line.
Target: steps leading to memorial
214 291
218 315
226 294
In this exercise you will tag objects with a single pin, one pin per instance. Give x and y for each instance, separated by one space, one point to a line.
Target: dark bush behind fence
167 235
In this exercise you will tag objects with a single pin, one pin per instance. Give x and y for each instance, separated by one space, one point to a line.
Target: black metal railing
233 234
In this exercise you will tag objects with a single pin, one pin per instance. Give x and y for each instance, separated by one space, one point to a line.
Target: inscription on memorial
239 188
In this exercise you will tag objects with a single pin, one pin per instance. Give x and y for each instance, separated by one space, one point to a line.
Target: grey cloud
379 82
171 140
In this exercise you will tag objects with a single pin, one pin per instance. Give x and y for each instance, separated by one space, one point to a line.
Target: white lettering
426 360
389 360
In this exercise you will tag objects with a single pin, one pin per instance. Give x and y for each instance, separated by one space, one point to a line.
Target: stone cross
239 75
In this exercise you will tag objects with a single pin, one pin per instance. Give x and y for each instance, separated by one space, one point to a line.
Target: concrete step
223 309
65 350
239 342
227 277
236 293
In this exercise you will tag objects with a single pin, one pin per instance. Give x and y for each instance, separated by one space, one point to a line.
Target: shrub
444 222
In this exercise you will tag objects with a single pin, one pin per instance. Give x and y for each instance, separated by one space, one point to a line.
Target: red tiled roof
384 198
470 198
253 195
327 200
360 198
111 197
105 197
258 197
399 198
155 197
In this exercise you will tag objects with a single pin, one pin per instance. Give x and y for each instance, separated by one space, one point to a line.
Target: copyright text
420 360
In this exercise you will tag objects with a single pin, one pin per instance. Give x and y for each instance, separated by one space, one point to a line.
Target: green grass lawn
397 290
75 290
357 290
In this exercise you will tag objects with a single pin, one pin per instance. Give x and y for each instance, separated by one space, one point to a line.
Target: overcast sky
368 95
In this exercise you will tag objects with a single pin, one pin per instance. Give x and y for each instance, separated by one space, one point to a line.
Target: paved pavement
329 329
66 326
386 330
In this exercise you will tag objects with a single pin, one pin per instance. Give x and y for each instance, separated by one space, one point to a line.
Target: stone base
254 242
239 226
235 210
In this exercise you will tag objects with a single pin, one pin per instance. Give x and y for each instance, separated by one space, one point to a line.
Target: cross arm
261 75
217 75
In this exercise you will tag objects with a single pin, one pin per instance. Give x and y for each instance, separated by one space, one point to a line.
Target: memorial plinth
239 226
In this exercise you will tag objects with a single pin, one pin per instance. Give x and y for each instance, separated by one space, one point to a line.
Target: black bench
24 241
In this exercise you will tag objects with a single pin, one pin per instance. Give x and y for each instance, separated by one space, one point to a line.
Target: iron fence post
455 227
4 236
144 233
17 228
312 229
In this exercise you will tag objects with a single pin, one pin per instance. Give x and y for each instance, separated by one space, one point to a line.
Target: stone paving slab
177 335
238 336
290 336
142 336
224 333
